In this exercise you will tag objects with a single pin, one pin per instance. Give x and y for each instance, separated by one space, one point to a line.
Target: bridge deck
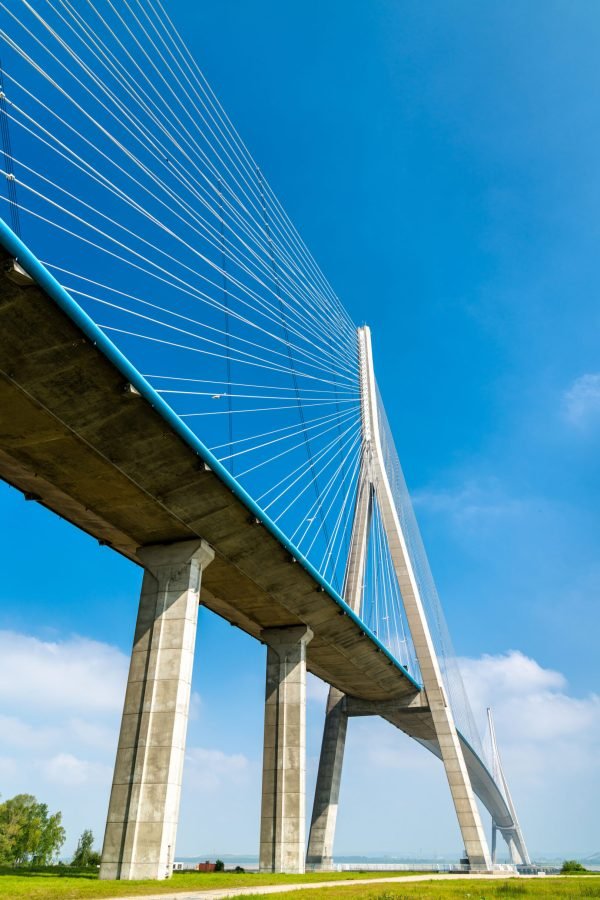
75 439
106 460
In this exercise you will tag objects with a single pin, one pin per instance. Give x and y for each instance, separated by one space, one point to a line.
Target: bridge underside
101 457
78 441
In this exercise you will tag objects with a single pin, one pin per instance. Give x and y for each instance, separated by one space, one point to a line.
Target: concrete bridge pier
516 847
282 830
139 841
327 791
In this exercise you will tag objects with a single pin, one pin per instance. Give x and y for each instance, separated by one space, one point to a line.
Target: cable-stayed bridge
180 380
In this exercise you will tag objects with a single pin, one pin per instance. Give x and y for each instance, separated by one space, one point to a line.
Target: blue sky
441 162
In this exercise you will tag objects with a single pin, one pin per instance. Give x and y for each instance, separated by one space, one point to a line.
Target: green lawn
552 888
64 884
49 885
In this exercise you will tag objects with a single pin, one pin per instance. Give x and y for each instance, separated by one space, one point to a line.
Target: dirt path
221 893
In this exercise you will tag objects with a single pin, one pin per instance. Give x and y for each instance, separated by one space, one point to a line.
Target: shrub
572 865
85 855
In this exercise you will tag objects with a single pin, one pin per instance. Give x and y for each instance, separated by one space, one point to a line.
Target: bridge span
84 434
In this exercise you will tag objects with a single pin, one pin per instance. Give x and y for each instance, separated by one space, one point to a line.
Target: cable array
140 196
383 608
11 189
450 669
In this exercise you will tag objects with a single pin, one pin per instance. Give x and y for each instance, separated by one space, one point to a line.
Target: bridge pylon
374 484
515 841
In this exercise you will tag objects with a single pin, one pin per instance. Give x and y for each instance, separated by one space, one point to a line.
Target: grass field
551 888
570 888
68 885
76 886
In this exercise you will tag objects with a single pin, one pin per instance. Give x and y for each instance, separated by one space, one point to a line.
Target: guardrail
410 867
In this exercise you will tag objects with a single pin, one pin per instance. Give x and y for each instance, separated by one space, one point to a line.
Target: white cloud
195 705
316 690
391 750
473 504
509 675
544 732
548 738
8 767
96 734
21 734
76 674
581 401
61 702
70 771
208 769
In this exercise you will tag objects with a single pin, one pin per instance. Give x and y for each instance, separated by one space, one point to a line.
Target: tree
8 833
572 865
28 833
219 866
85 855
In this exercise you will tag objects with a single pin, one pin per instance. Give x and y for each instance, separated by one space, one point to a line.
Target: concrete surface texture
327 790
142 819
283 808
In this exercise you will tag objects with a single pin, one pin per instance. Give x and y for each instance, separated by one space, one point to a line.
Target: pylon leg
443 720
513 836
373 483
327 791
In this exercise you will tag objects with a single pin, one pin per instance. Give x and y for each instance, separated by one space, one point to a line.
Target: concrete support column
327 791
139 841
282 831
514 844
